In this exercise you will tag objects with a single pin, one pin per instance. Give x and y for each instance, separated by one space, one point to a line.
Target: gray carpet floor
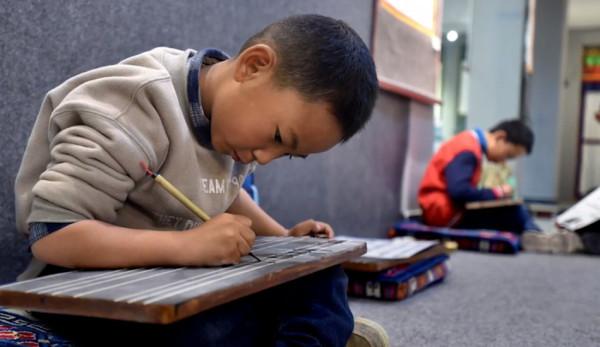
499 300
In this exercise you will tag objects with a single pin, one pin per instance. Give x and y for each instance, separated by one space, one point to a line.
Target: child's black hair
517 132
325 60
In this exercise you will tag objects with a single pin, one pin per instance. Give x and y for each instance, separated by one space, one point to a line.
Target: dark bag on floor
590 237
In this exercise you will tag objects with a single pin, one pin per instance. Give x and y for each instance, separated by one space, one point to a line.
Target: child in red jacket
452 177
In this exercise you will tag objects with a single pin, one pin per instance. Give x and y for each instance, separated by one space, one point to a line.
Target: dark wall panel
355 186
42 43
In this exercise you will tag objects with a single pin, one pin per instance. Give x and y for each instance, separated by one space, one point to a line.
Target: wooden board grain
376 265
477 205
166 295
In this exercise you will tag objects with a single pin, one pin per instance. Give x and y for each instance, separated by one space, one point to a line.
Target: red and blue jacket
451 179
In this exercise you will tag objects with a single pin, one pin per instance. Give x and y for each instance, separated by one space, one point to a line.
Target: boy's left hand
313 228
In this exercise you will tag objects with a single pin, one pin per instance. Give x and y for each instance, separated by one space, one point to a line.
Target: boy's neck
209 81
488 136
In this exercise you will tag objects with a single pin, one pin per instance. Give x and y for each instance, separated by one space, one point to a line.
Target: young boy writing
452 176
202 119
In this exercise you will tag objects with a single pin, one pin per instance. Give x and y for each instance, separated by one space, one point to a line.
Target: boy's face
253 119
500 150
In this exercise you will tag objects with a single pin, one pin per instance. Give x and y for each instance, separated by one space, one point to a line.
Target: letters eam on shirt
218 185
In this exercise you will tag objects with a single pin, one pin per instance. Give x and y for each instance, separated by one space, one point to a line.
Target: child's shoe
557 241
368 333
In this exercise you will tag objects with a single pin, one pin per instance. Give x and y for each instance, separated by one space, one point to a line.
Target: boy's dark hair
517 132
324 59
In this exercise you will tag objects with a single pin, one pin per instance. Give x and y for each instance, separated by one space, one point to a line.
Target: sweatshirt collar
482 141
200 121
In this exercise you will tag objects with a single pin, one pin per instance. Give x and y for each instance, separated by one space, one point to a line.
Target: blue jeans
310 311
509 218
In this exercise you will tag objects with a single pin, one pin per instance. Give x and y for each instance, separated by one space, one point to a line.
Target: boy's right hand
222 240
508 190
504 191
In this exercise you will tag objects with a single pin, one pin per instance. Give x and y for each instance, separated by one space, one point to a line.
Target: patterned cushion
398 282
483 240
19 330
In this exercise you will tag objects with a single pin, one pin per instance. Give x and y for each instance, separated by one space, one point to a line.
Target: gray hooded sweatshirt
83 157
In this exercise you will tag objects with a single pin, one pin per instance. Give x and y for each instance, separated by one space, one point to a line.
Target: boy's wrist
281 231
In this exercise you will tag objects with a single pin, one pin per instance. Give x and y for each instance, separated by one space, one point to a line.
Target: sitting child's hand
222 240
313 228
504 191
508 191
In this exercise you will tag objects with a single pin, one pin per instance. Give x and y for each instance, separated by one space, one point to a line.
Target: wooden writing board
477 205
376 265
165 295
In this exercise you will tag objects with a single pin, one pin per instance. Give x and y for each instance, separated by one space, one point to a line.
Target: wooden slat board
477 205
376 265
165 295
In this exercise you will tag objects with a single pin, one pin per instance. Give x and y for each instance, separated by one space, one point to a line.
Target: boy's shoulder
111 89
461 142
157 58
465 137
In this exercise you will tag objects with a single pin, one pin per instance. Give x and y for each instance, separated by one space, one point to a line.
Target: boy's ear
500 135
255 61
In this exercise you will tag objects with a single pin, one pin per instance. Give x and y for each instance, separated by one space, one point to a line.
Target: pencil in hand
177 194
